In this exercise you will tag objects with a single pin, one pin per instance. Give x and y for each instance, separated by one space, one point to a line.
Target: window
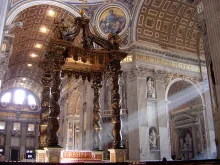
31 100
19 96
30 127
20 99
17 127
6 97
2 125
29 156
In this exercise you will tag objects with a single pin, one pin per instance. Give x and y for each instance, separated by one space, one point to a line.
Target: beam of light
185 95
140 118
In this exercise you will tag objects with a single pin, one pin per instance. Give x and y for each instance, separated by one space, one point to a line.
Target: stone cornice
162 75
165 54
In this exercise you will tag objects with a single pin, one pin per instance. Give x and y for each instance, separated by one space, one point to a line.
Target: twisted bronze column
96 111
45 105
53 123
115 70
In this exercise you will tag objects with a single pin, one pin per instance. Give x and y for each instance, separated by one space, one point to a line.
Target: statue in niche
188 140
153 138
150 88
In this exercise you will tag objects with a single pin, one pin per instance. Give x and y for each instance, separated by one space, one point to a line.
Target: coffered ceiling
169 24
29 45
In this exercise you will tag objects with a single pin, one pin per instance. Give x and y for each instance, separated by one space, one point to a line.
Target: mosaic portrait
112 20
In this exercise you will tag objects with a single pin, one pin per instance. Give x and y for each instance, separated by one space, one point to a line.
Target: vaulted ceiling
30 44
170 24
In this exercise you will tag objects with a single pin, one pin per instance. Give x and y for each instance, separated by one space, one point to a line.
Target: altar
78 156
70 156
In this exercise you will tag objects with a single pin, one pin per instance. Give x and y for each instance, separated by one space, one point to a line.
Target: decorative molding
168 63
171 76
157 52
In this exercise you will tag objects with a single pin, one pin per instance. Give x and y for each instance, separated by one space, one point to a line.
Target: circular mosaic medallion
112 19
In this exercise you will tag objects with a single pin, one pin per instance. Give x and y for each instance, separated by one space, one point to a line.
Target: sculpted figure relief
188 140
150 88
153 138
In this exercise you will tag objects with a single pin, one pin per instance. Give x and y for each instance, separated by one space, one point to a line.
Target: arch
182 116
187 80
26 5
136 18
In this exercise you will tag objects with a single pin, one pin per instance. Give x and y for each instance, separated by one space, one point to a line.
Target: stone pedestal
98 154
40 155
53 154
117 155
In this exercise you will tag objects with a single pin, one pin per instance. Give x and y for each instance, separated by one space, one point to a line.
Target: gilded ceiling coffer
89 63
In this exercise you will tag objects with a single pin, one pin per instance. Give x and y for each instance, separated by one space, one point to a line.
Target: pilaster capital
134 72
160 75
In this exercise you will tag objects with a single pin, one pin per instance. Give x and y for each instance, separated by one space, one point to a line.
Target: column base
53 154
98 154
117 155
40 155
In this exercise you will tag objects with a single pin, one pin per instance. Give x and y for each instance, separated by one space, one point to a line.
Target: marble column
9 127
163 118
23 138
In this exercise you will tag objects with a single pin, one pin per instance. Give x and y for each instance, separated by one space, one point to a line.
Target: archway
187 126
